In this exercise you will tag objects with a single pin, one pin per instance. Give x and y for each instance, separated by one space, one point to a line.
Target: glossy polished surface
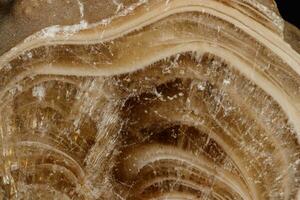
128 99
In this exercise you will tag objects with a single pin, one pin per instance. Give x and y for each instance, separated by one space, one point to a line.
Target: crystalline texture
135 99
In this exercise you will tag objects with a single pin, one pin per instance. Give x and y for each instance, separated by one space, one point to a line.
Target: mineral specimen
157 99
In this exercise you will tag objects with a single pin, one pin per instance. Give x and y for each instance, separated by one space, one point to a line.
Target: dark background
290 11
